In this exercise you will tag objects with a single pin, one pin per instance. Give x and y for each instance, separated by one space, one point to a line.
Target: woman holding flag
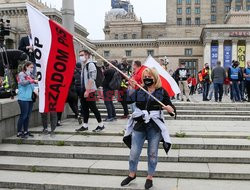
147 122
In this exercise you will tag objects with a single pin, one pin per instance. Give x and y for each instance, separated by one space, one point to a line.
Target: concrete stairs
205 155
210 111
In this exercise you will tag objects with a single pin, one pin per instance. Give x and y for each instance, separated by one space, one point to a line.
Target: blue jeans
218 89
138 137
235 91
26 109
242 89
205 90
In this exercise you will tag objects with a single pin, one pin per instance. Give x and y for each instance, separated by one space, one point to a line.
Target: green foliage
20 141
39 143
60 143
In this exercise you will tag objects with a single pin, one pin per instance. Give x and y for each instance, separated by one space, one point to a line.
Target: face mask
82 59
148 82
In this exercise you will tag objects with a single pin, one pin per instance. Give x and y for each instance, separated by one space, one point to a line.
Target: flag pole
123 74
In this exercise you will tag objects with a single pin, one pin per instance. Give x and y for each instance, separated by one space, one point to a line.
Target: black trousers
90 104
123 100
248 90
73 105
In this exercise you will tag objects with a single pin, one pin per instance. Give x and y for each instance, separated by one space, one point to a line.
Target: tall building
195 32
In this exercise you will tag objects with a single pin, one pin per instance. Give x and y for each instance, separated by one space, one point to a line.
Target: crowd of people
215 82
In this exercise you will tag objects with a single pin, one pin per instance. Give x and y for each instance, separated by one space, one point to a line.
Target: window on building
238 7
133 36
227 9
197 10
188 52
248 7
116 36
238 1
248 1
150 52
179 21
213 18
188 10
213 1
125 36
128 53
197 2
106 53
179 11
188 2
179 2
197 21
213 9
188 21
227 1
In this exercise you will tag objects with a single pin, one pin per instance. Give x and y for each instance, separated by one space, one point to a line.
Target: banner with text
214 55
227 56
242 55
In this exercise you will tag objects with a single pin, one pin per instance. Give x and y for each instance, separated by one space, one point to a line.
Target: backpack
115 83
99 75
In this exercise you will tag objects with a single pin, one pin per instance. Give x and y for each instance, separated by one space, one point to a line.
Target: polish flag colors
168 83
55 60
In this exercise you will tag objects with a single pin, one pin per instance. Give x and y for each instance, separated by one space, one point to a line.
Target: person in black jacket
25 45
108 93
147 122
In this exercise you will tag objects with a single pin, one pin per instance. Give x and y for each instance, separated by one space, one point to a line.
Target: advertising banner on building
214 55
242 55
227 56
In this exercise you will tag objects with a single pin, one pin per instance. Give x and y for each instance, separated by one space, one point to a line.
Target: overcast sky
91 13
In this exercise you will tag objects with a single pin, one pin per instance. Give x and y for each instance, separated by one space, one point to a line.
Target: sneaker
79 119
148 184
188 100
58 123
182 99
108 120
82 129
127 180
45 131
19 135
28 134
99 129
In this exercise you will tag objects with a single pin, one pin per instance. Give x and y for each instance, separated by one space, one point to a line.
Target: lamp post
68 15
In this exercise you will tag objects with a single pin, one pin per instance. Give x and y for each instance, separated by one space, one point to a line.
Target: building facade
195 32
15 11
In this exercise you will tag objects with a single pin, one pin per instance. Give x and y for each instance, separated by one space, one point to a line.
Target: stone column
234 50
68 15
221 51
207 52
248 50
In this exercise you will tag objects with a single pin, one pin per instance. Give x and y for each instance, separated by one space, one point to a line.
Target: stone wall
9 114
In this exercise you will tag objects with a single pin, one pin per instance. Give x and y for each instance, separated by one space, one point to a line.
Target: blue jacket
25 87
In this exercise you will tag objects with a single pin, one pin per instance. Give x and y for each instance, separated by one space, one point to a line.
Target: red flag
55 60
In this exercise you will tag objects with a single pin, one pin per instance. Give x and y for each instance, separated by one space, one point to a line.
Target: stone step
187 134
192 117
64 181
117 106
199 104
113 167
107 153
195 112
116 141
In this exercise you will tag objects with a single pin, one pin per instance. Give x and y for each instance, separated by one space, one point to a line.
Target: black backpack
99 75
115 83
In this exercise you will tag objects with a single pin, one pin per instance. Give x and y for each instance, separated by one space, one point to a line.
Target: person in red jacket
193 82
206 81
